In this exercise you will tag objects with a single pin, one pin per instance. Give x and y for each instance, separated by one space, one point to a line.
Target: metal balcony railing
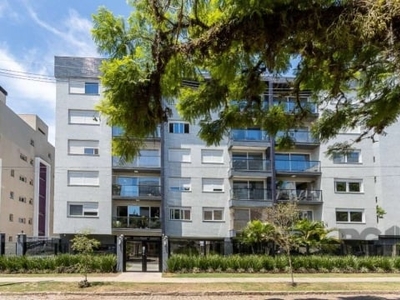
136 190
249 194
297 166
245 164
139 222
298 195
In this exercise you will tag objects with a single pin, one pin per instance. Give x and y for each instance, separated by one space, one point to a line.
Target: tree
212 55
312 234
84 245
256 233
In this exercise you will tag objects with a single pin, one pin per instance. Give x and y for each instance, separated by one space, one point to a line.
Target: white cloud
7 12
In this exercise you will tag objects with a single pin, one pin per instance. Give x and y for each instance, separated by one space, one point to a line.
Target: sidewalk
157 278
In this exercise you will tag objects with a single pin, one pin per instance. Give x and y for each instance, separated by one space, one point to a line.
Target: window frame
214 158
80 145
89 117
182 211
343 158
177 127
213 210
349 213
217 185
348 183
87 212
184 184
70 172
81 87
184 155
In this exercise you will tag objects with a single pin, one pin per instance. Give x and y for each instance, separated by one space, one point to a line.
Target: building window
178 127
30 221
306 214
83 147
180 184
11 218
86 117
352 157
31 181
348 186
10 238
213 214
180 214
86 209
81 87
12 173
83 178
30 201
213 184
212 156
22 220
22 199
11 195
350 216
32 143
23 157
22 178
31 162
179 155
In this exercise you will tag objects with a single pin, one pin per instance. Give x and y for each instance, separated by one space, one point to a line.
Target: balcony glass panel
249 135
125 186
298 195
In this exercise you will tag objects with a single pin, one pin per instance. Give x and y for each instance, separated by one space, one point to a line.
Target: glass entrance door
143 256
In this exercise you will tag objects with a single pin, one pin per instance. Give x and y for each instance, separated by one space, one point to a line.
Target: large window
350 216
178 127
83 178
180 213
83 209
213 214
179 155
82 87
127 186
348 186
83 147
180 184
87 117
209 156
352 157
213 184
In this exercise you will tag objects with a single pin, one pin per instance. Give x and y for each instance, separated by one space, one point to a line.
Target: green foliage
64 263
348 53
301 264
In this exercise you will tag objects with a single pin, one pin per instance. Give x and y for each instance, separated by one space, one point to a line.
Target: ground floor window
196 247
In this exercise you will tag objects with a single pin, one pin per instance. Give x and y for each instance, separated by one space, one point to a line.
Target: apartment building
196 199
26 174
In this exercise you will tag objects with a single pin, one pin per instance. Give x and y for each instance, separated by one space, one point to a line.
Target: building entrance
143 254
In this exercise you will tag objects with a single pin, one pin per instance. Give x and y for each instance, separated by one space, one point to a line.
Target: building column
164 247
228 246
121 266
21 244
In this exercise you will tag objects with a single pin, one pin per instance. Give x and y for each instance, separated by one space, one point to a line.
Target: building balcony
303 139
299 196
118 132
250 168
290 106
298 167
144 192
144 163
245 138
245 197
138 223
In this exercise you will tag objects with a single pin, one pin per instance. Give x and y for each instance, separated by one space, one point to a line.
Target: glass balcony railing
301 136
118 131
291 106
138 222
299 195
297 166
249 135
244 164
247 194
136 190
138 162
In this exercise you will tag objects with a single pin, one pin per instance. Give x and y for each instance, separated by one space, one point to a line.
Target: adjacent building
26 174
196 199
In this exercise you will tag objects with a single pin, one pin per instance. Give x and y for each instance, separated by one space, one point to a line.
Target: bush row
301 264
64 263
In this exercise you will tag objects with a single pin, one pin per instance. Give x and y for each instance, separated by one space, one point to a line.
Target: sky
32 32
